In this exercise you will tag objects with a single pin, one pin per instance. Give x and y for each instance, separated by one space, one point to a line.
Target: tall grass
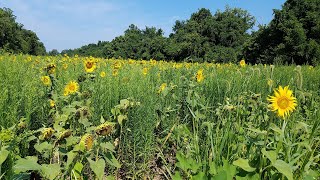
217 135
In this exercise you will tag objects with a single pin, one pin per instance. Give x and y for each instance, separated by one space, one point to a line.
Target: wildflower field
90 118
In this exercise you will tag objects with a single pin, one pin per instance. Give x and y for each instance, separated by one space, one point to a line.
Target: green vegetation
14 38
166 120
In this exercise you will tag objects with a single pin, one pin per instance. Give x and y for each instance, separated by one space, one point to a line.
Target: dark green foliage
291 37
14 38
204 37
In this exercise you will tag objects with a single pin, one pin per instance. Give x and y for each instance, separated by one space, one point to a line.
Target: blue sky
65 24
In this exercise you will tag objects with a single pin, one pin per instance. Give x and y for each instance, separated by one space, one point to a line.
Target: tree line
292 36
15 39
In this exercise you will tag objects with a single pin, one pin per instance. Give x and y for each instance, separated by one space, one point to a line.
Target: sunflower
52 103
283 102
46 80
242 63
86 142
103 74
65 66
46 133
71 88
105 129
51 68
115 72
199 75
145 71
89 65
64 134
162 87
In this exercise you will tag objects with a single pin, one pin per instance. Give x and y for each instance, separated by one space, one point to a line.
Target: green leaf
182 163
249 177
271 155
77 169
45 146
229 168
244 164
98 167
200 175
222 175
258 131
85 122
121 118
284 168
107 146
176 176
26 164
3 155
50 171
112 160
275 128
71 155
212 168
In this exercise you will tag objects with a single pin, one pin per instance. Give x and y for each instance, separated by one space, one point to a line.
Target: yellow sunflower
145 71
103 74
89 65
105 129
46 133
283 102
242 63
200 76
52 103
46 80
71 88
86 142
162 87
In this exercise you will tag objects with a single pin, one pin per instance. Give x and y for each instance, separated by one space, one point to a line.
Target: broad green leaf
200 175
72 140
110 177
176 176
77 169
284 168
50 171
121 118
182 163
85 122
229 168
71 155
249 177
112 160
3 155
222 175
244 164
213 169
271 155
45 146
26 164
98 167
107 146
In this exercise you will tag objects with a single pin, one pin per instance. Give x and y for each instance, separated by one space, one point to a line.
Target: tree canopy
293 36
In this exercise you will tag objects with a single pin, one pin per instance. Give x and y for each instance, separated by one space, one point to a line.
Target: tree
293 35
16 39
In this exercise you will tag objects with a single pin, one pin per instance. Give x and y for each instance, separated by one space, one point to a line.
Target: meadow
92 118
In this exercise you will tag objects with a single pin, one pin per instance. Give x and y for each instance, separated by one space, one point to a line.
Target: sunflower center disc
283 102
89 65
